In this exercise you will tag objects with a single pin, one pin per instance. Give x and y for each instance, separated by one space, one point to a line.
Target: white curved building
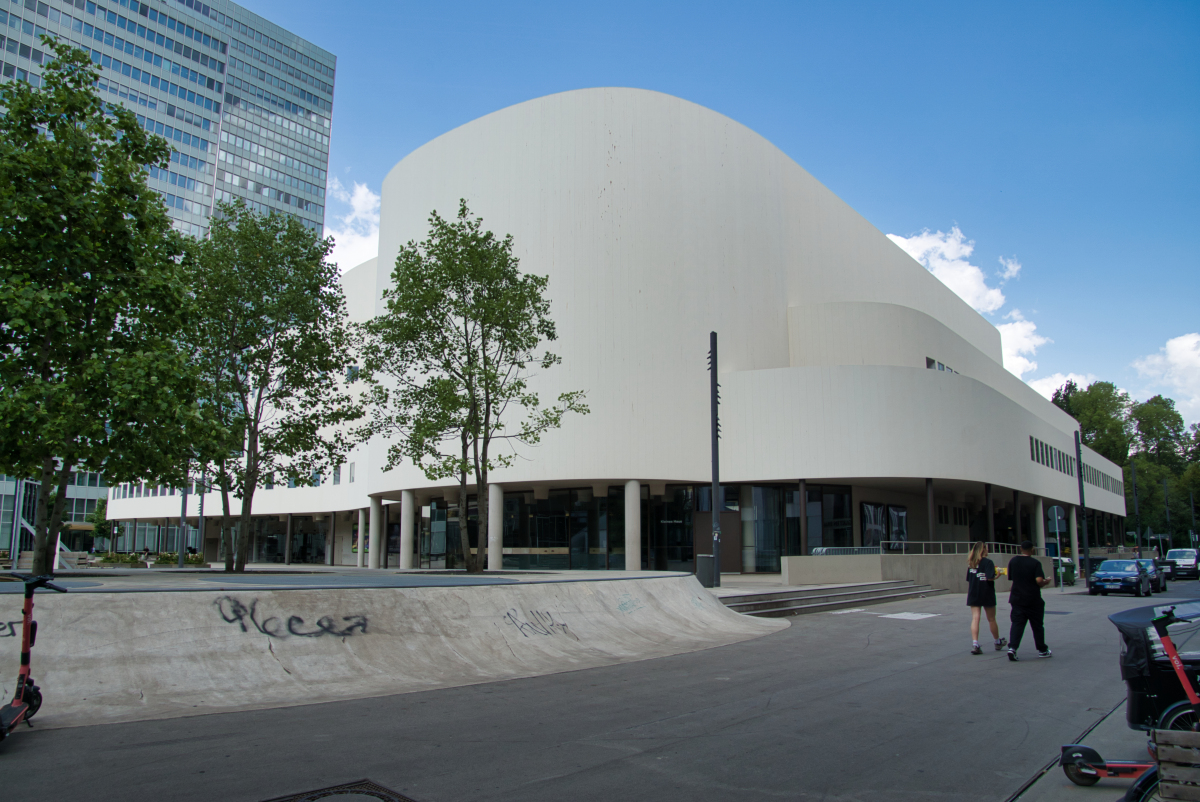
862 400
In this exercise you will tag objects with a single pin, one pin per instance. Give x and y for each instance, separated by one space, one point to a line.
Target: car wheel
1138 591
1093 592
1104 593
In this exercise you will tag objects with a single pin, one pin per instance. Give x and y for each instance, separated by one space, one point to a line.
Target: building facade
245 105
863 403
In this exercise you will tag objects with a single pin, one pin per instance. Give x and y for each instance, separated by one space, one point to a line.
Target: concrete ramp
103 657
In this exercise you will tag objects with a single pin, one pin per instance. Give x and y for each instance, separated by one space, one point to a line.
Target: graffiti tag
537 622
9 629
234 611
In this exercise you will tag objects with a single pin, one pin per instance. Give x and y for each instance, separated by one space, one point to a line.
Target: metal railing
920 547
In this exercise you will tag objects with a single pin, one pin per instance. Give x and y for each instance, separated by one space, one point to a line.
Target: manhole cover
359 791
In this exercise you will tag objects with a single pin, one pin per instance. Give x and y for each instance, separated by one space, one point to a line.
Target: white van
1184 562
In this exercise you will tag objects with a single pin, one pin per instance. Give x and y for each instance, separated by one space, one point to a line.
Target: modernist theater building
863 403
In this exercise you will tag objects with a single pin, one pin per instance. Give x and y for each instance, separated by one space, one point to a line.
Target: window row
276 81
270 154
272 44
202 123
144 10
260 208
1102 480
192 230
269 97
952 516
267 172
278 195
191 162
233 101
181 181
287 69
275 136
185 205
125 93
78 509
1051 457
933 364
190 140
129 26
19 74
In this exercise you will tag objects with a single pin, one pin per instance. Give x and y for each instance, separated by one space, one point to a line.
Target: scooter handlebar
39 581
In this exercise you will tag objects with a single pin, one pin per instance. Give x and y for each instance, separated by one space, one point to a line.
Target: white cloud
356 233
1019 341
1177 367
946 254
1048 384
1011 269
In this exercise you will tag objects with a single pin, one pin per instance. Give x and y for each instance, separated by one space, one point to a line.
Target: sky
1042 159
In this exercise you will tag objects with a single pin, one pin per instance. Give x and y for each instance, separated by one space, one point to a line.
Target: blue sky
1063 138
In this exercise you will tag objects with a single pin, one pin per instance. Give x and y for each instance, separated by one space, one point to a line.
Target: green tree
91 294
272 342
1159 430
450 357
1103 415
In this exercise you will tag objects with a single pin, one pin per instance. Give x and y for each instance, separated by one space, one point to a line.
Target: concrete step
837 601
849 594
824 590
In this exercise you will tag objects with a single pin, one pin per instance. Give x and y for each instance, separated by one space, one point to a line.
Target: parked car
1119 576
1183 564
1157 572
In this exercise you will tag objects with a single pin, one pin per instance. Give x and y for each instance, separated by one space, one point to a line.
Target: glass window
351 473
337 474
873 523
897 524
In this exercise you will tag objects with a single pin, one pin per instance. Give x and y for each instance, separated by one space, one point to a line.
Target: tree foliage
450 361
1103 415
271 341
92 290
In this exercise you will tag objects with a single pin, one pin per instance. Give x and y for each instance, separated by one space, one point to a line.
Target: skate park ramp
108 657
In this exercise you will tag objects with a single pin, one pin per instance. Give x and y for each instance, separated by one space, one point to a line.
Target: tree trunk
483 508
226 535
48 521
244 526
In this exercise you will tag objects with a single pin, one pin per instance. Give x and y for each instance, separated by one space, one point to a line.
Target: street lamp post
714 401
1082 504
1137 516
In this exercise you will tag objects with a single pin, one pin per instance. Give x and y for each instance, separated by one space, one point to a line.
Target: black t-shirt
1024 571
978 577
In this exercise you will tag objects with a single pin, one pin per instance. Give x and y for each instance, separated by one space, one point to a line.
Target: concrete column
331 539
1072 528
287 542
376 526
362 537
990 512
408 513
495 519
747 515
1039 525
930 510
1017 515
633 525
803 517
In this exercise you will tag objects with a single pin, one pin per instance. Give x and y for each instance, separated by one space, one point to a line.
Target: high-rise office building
245 104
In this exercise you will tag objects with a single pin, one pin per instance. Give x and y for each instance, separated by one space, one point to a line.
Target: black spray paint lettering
10 629
234 611
538 623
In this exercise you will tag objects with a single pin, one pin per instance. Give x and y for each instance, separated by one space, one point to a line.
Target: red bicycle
27 699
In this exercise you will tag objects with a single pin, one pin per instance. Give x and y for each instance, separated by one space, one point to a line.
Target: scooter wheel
1078 777
33 698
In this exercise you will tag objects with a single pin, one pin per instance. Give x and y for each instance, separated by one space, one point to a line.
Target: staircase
798 601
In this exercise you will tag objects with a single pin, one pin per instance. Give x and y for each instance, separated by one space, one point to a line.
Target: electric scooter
28 697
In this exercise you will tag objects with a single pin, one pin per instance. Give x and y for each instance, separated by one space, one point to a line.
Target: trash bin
1068 573
704 569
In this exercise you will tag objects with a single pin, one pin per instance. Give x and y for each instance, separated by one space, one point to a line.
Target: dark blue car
1119 576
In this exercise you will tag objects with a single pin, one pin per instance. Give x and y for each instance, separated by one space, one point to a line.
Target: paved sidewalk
1113 739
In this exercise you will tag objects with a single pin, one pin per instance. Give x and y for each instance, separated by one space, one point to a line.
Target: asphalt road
844 707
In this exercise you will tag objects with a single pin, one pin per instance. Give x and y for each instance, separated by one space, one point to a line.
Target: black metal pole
716 458
1137 516
181 536
1167 507
1082 505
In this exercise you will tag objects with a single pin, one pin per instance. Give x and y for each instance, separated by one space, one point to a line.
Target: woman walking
981 595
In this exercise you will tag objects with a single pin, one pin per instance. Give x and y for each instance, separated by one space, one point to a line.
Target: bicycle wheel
1145 789
1179 716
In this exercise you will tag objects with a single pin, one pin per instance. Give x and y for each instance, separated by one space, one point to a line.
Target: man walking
1028 579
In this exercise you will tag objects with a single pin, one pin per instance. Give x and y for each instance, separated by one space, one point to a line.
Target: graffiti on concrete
10 629
234 611
628 604
537 622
